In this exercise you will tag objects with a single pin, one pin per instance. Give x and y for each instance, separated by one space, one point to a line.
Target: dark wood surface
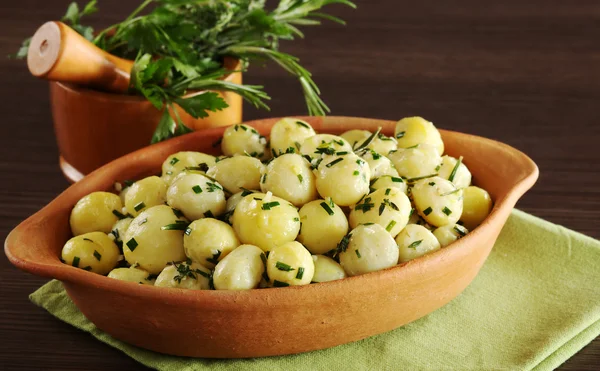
523 72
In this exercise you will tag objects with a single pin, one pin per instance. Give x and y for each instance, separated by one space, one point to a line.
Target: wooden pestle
59 53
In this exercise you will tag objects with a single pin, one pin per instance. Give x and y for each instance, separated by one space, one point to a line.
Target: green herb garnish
174 160
76 261
427 211
415 244
300 273
177 213
269 205
283 267
411 180
139 206
119 215
460 232
390 225
455 169
197 189
132 244
332 163
356 173
397 180
446 211
97 255
213 187
303 124
280 284
358 254
179 225
368 140
327 208
400 134
215 258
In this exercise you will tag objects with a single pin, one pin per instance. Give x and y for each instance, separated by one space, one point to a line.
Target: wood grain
525 73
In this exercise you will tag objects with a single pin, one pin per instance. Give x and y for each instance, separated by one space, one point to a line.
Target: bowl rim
259 297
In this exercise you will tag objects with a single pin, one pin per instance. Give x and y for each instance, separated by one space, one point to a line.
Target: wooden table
522 72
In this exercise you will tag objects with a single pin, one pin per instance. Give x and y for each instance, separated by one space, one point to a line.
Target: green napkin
535 303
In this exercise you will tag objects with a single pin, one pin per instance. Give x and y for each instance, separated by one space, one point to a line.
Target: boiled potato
383 144
96 212
379 164
477 206
242 269
242 139
289 132
438 201
415 241
184 275
324 144
118 231
207 241
380 143
93 251
343 178
178 162
369 248
327 269
462 175
411 131
323 225
232 204
238 172
449 233
290 264
197 196
389 207
415 218
131 274
415 162
388 181
265 220
155 238
290 177
355 137
145 193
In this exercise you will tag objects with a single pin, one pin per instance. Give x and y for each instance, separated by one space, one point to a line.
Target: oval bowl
254 323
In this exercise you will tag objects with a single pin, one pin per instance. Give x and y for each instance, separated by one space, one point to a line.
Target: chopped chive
245 192
400 134
455 169
213 187
369 139
397 180
339 142
128 183
355 173
360 162
197 189
451 192
437 168
217 142
300 273
269 205
132 244
358 253
415 244
254 131
188 231
365 206
300 178
376 156
139 206
174 161
179 225
76 261
257 198
387 191
236 127
283 267
412 210
215 258
460 231
119 215
341 153
390 226
88 268
263 257
97 255
325 150
446 211
381 208
421 177
202 273
280 284
115 232
427 211
302 124
327 208
431 183
209 214
369 223
332 163
243 128
343 244
297 145
177 213
264 178
87 239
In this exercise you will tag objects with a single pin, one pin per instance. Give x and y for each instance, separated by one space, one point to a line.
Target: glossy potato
355 137
289 132
178 162
461 177
241 139
207 241
415 241
327 269
438 201
388 181
290 264
96 212
197 196
323 225
477 206
411 131
242 269
416 162
379 164
150 243
145 193
343 178
238 172
93 251
388 207
449 233
184 275
131 274
266 221
290 177
369 248
320 144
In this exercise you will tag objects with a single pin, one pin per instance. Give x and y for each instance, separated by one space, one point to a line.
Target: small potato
238 172
243 139
380 144
184 275
178 162
93 251
387 181
95 213
449 233
383 144
417 161
389 207
145 193
327 269
462 176
289 132
415 241
290 177
118 231
207 241
131 274
155 238
477 206
197 196
242 269
355 137
379 164
232 203
323 225
411 131
324 144
415 218
343 178
438 201
265 221
370 248
290 264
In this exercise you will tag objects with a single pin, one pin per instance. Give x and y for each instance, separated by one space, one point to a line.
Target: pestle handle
59 53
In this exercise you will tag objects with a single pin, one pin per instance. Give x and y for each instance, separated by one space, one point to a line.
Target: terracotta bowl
93 128
266 322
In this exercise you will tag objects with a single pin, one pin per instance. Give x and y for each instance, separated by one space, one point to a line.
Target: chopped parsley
355 173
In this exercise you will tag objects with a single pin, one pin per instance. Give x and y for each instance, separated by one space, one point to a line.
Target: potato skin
94 213
93 251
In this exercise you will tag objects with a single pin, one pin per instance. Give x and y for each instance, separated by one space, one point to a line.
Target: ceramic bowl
93 128
266 322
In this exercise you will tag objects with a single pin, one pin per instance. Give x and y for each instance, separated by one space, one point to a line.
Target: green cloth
535 303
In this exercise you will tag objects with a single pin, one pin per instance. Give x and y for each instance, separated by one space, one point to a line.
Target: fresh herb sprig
180 46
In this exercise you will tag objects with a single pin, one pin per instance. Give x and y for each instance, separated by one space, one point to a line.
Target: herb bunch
180 45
